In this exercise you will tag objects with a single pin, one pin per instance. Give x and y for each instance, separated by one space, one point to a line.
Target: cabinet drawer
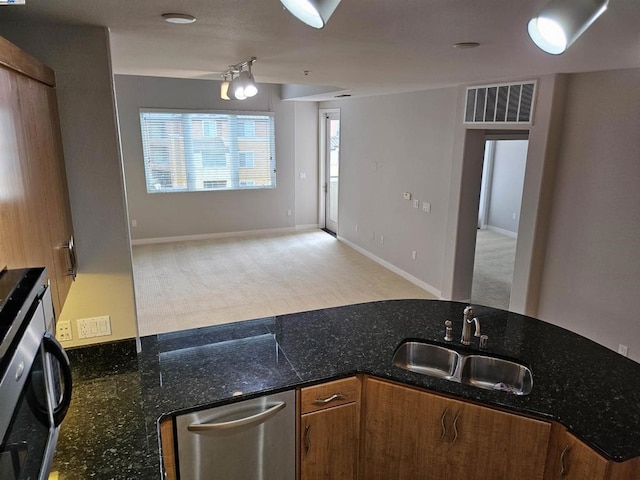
329 394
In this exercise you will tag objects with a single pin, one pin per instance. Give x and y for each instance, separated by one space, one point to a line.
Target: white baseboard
389 266
313 226
502 231
207 236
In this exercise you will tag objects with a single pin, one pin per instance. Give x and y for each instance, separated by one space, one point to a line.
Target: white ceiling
368 46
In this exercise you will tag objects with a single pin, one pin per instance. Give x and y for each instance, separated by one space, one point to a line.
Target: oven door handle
52 346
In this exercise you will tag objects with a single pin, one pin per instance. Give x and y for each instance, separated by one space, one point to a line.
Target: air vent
503 103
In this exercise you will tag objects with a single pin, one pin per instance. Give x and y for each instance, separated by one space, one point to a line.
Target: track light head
561 22
315 13
241 87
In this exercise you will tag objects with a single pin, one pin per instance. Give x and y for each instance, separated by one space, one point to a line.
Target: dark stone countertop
111 431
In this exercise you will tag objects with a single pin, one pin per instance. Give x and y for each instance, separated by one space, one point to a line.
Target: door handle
455 429
241 422
73 260
563 468
307 439
443 419
52 346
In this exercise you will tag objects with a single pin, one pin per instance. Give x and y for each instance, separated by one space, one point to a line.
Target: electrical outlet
623 350
289 213
426 207
63 331
414 254
382 239
94 327
356 227
134 223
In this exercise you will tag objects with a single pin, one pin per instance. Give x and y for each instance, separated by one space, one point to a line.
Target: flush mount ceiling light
561 22
315 13
241 87
178 18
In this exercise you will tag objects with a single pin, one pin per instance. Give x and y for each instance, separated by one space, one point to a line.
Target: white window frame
238 177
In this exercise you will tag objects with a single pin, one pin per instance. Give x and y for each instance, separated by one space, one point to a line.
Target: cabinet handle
73 261
455 429
324 401
444 427
563 468
307 439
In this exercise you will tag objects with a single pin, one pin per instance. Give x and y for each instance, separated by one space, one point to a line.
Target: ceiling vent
501 103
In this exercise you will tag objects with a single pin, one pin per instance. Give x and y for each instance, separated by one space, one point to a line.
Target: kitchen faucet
467 321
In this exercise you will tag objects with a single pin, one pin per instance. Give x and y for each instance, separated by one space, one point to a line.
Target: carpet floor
493 269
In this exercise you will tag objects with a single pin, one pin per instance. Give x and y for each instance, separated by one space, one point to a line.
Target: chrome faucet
467 321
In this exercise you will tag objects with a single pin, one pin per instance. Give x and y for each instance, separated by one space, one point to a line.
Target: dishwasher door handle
241 422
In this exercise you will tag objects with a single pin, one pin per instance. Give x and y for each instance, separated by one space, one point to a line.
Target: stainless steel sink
427 359
496 374
482 371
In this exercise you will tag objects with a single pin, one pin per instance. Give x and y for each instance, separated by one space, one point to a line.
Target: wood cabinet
35 214
571 459
412 434
329 430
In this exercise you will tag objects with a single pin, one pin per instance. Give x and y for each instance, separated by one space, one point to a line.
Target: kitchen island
112 429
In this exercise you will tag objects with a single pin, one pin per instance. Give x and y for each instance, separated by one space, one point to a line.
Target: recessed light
178 18
464 45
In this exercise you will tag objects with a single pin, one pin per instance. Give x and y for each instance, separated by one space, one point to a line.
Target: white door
332 170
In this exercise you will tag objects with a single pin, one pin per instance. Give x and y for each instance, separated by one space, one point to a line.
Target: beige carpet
493 269
192 284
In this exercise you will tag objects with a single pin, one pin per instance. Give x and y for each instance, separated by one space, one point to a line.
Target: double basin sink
482 371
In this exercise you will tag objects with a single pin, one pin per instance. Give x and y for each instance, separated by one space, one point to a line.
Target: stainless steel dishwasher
249 440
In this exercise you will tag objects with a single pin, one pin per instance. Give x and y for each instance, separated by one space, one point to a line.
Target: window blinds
200 151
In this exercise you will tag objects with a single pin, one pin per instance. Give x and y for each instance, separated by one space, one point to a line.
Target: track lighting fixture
241 87
315 13
561 22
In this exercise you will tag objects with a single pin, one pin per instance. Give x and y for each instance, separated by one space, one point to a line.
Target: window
188 151
246 159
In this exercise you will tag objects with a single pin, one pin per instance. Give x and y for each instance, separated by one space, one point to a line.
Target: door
329 443
447 439
498 221
249 440
331 170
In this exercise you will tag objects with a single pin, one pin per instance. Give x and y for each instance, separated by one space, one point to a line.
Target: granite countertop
111 431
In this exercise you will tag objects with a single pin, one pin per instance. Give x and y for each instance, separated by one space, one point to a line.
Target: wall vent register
500 103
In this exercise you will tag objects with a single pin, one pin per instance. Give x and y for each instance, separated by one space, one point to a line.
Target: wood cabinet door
571 459
35 213
329 443
405 433
495 445
410 434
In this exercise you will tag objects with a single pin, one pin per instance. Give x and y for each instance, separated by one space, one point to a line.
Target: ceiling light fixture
315 13
178 18
561 22
243 86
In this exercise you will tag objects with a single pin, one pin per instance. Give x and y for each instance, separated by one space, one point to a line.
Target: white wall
591 274
80 58
306 154
509 162
389 145
201 213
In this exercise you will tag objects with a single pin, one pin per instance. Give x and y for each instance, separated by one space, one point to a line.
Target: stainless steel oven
35 376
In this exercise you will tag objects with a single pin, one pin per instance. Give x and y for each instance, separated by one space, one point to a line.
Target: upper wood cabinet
412 434
35 214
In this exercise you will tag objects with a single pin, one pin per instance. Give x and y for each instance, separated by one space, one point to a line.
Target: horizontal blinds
196 151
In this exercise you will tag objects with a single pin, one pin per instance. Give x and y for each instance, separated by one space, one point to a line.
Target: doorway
331 170
498 221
